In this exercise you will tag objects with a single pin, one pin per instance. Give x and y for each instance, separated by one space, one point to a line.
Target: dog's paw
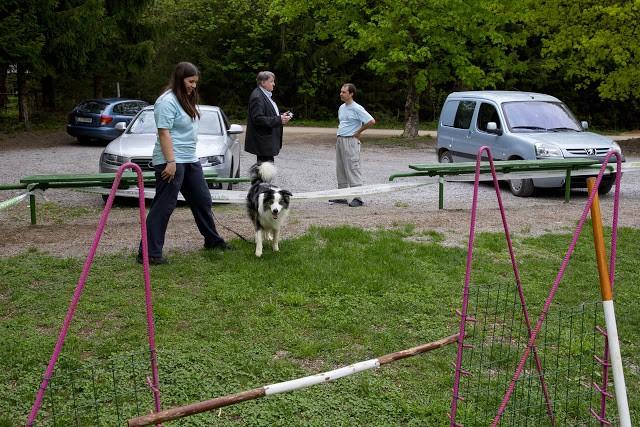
275 247
258 253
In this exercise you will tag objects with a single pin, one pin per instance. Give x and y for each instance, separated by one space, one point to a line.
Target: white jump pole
609 312
300 383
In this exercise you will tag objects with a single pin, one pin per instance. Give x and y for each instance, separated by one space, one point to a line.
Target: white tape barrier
230 196
13 201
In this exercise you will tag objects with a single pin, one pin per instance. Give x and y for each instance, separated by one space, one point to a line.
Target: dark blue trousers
188 180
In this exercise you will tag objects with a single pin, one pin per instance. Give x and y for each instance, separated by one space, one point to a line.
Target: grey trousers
348 162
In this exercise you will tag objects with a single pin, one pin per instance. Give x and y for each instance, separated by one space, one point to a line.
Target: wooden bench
505 166
44 182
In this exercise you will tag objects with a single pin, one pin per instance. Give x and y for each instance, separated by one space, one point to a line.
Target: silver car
518 126
218 145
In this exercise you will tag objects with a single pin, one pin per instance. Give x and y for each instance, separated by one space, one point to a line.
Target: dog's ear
286 193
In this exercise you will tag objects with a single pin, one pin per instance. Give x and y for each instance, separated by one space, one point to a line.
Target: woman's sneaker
153 260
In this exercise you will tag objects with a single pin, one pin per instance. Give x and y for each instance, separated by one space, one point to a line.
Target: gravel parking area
66 227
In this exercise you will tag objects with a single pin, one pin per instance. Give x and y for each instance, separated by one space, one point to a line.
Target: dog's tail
263 172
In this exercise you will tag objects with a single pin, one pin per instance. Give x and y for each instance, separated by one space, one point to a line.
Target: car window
464 114
144 123
539 115
448 113
210 123
487 113
93 107
128 108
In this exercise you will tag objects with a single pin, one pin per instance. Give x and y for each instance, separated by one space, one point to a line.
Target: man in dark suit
264 125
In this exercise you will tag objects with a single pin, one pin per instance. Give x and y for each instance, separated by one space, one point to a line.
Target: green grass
229 321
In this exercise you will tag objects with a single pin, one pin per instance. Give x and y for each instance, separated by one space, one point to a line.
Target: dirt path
68 221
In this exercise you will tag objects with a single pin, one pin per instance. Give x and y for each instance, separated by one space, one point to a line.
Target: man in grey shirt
354 120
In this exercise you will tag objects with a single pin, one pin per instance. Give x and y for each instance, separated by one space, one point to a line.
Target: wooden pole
609 312
219 402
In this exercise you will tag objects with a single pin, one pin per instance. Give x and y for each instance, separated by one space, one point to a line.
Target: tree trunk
48 93
411 119
4 96
23 96
98 83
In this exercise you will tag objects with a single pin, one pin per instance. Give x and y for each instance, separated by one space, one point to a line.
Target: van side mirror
120 126
585 125
492 127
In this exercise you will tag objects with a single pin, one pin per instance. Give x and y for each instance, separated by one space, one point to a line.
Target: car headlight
616 148
112 159
211 160
545 150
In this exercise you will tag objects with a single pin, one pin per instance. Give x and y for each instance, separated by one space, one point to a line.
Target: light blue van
518 126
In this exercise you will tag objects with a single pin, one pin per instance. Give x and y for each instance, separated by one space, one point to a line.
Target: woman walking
177 168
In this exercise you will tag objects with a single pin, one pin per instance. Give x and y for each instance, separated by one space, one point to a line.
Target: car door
480 136
458 133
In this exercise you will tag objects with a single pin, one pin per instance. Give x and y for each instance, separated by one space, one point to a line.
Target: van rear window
458 114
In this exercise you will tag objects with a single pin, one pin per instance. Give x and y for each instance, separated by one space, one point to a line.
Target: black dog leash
227 228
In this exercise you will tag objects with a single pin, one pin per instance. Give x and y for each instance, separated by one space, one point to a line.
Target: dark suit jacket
264 126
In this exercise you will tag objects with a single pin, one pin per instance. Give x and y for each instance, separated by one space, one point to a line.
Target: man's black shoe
224 246
356 203
153 260
339 201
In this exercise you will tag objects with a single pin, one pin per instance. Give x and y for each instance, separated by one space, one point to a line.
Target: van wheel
605 186
445 157
521 187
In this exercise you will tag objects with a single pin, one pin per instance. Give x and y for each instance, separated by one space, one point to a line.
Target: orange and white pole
609 312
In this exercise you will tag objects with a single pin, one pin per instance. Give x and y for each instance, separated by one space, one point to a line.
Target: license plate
83 120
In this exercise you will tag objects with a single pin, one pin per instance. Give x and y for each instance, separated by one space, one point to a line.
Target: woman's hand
169 172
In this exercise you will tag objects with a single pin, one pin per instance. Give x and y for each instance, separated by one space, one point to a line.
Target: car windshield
539 116
209 123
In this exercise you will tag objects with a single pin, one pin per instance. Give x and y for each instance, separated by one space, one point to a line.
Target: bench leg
440 192
32 207
567 186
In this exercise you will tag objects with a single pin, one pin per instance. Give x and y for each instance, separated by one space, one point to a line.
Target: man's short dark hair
351 88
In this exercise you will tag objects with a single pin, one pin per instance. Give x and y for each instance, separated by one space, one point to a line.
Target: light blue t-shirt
184 131
352 117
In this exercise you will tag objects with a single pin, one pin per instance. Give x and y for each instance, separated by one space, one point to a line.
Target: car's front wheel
230 185
445 157
521 187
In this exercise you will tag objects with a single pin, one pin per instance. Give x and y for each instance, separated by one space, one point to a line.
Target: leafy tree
594 45
21 42
229 40
417 43
96 38
433 42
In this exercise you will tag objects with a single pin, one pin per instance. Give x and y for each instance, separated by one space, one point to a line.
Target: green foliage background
405 56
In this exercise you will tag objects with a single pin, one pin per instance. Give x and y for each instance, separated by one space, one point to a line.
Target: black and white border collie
267 205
